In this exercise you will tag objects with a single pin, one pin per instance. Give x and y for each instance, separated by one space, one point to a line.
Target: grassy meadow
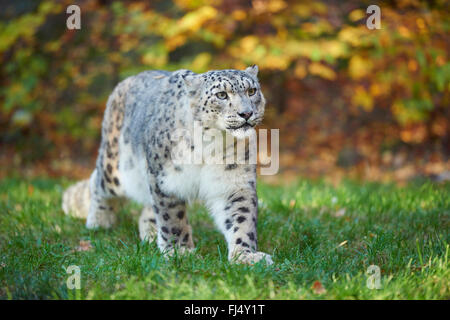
323 239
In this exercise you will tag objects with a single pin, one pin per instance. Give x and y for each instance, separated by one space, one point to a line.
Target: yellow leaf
201 62
276 5
248 44
351 35
321 70
115 57
334 48
300 71
362 98
303 10
404 32
193 20
359 67
356 15
175 42
406 115
239 15
261 6
154 59
412 65
275 62
378 89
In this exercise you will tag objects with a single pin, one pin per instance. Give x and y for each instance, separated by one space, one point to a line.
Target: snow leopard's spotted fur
134 158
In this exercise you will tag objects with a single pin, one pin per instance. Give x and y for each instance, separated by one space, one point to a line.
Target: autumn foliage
347 99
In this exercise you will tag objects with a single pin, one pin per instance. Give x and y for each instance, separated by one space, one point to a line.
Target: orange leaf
318 288
85 245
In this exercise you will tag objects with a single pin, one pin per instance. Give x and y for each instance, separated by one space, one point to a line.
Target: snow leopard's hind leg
76 200
87 201
105 186
103 206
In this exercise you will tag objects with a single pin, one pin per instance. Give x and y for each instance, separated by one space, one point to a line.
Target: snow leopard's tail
76 199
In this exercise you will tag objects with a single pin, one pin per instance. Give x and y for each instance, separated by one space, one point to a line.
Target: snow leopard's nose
245 115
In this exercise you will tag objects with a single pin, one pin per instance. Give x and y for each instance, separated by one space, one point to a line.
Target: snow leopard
135 159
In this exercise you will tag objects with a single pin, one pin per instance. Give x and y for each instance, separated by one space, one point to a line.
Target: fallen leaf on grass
85 245
339 213
292 204
318 288
419 268
343 243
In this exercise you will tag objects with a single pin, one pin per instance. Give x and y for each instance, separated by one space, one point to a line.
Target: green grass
403 230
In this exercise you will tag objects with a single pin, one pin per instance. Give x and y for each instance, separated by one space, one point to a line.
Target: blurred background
349 101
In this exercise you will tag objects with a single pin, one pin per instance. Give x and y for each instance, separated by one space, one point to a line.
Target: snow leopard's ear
253 70
193 81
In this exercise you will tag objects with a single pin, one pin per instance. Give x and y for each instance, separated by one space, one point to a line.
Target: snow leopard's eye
221 95
251 91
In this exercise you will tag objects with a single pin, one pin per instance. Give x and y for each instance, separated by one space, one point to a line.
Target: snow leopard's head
228 100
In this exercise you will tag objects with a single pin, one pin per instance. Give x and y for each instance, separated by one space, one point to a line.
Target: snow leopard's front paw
147 225
178 252
251 258
101 220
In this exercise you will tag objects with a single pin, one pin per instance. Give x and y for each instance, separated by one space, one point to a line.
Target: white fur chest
183 181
